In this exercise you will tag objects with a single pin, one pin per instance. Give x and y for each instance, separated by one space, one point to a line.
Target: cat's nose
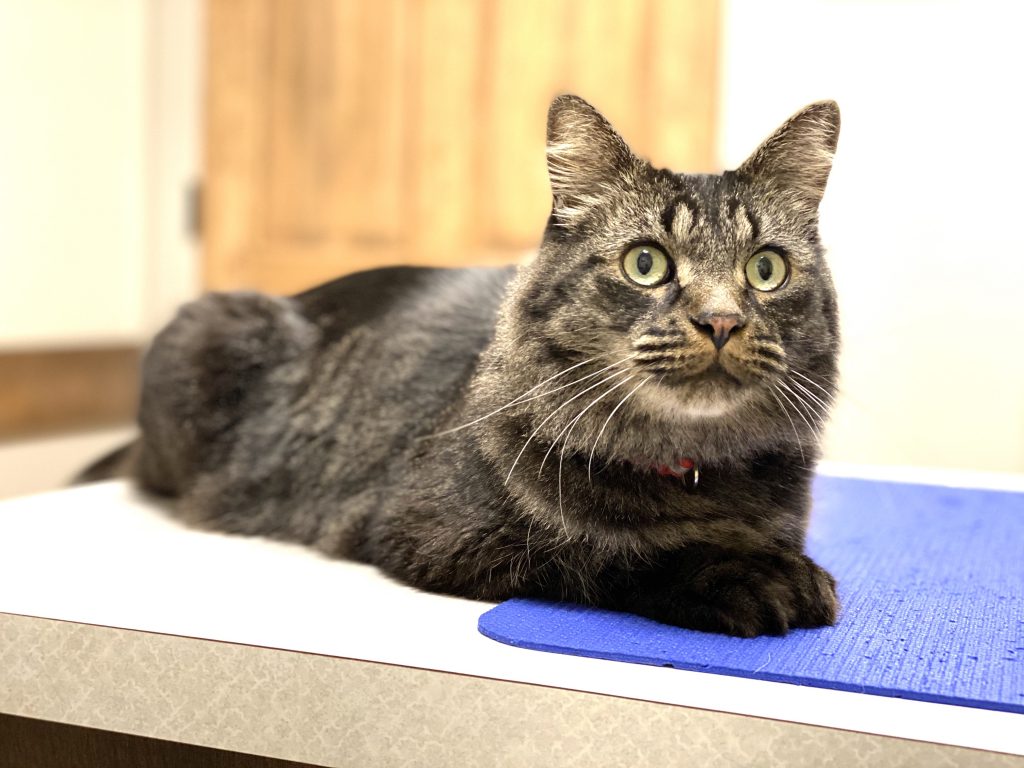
718 326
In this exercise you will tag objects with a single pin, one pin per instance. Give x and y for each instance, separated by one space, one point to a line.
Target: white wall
174 109
99 133
923 216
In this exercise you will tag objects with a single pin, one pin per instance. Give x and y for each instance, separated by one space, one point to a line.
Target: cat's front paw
763 594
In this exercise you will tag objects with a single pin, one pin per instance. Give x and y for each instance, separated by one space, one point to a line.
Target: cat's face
712 289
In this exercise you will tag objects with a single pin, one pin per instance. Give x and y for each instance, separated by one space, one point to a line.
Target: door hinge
194 210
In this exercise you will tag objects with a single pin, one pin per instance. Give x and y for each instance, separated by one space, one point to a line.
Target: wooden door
347 134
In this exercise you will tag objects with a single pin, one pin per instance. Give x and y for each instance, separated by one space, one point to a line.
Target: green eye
646 265
767 270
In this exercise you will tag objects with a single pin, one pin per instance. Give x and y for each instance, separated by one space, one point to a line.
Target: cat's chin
695 399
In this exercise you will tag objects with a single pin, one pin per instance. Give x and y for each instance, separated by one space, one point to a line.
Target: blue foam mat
932 585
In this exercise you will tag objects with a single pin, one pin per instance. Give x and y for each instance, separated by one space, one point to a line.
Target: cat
630 421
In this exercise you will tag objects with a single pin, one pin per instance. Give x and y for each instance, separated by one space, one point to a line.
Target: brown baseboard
43 392
28 743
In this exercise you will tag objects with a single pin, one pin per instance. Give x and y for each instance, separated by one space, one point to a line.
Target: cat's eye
647 265
767 270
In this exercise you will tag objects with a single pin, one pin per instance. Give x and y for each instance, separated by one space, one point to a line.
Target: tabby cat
630 421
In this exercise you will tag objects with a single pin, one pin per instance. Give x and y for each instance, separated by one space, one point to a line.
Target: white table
115 616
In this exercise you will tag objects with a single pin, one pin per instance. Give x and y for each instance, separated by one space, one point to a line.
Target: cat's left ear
797 158
587 159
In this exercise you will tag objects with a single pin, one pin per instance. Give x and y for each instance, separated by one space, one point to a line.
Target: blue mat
932 585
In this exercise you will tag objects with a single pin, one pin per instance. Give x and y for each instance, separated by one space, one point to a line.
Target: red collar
685 469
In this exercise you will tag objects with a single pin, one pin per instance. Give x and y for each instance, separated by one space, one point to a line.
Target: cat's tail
118 463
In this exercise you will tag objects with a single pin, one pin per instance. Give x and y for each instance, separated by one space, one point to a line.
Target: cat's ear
797 158
587 159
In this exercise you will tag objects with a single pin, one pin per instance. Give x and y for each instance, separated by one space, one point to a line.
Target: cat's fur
336 418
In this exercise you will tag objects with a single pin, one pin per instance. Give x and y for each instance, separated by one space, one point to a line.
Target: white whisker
551 415
799 412
792 424
565 444
811 381
590 462
568 427
812 414
519 399
813 397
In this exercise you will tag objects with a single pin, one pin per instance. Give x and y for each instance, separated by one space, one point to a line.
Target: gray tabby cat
631 421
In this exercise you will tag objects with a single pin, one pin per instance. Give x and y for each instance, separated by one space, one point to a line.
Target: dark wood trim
29 743
62 390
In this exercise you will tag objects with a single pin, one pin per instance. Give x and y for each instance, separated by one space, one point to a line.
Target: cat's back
464 300
397 348
328 386
401 342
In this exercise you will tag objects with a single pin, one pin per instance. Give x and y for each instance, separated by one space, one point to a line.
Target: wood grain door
347 134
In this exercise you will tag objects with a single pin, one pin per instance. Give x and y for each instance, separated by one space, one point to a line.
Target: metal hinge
194 209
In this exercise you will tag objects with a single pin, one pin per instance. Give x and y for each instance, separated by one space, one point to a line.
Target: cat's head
713 289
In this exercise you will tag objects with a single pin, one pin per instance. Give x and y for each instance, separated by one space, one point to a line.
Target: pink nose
717 326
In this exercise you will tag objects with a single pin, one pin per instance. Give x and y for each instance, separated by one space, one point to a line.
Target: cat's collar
685 469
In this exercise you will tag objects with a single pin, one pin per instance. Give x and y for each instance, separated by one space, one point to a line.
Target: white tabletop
107 555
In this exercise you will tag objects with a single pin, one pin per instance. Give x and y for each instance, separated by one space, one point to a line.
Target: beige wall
71 184
923 213
98 137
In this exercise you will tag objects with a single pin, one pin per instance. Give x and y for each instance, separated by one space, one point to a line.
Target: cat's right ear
587 159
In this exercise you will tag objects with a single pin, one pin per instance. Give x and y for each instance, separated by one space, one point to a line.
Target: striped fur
492 433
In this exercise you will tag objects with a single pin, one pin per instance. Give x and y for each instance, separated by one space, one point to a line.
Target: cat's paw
764 594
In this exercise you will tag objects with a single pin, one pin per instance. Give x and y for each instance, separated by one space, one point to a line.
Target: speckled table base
341 712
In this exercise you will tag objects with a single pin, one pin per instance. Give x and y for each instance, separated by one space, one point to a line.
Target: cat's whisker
565 444
590 462
519 399
809 417
810 394
813 412
832 391
799 411
792 424
567 429
811 381
552 414
566 386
